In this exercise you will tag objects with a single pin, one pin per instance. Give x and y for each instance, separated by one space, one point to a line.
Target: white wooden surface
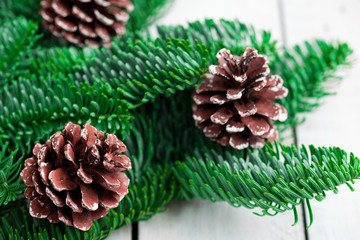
336 122
333 124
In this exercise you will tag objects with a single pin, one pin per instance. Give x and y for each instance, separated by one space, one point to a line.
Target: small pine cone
235 104
86 22
76 177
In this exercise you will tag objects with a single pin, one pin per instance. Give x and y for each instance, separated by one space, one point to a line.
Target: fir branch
16 39
29 113
146 12
10 184
141 69
10 9
274 179
305 70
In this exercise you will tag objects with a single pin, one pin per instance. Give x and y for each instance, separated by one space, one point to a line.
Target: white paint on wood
200 219
336 122
263 14
123 233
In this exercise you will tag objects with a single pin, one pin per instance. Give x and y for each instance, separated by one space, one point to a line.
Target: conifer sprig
274 179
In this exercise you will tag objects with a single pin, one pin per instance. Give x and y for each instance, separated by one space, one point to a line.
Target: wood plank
201 219
123 233
335 123
263 14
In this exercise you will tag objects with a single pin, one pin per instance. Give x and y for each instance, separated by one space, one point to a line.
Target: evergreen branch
274 179
10 9
141 69
233 35
48 107
305 69
10 184
16 39
146 12
55 60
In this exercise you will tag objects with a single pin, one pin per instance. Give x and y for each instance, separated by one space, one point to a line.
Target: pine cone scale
74 203
44 170
86 178
99 213
40 207
63 217
108 199
48 15
61 9
90 198
238 141
57 199
65 25
60 180
82 221
53 217
81 15
38 185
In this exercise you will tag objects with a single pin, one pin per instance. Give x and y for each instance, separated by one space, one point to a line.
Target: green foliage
10 9
146 12
11 185
16 39
142 69
274 179
141 90
305 69
47 105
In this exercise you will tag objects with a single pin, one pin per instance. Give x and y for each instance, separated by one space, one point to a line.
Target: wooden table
335 123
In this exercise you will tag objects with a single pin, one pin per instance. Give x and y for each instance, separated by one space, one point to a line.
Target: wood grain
123 233
201 219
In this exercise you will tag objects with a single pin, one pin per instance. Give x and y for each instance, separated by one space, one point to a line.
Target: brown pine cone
77 176
234 105
86 22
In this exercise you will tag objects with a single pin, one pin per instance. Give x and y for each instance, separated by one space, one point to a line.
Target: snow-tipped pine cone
77 176
235 104
86 22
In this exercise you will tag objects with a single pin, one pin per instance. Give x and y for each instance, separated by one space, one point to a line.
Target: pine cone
76 177
234 105
86 22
